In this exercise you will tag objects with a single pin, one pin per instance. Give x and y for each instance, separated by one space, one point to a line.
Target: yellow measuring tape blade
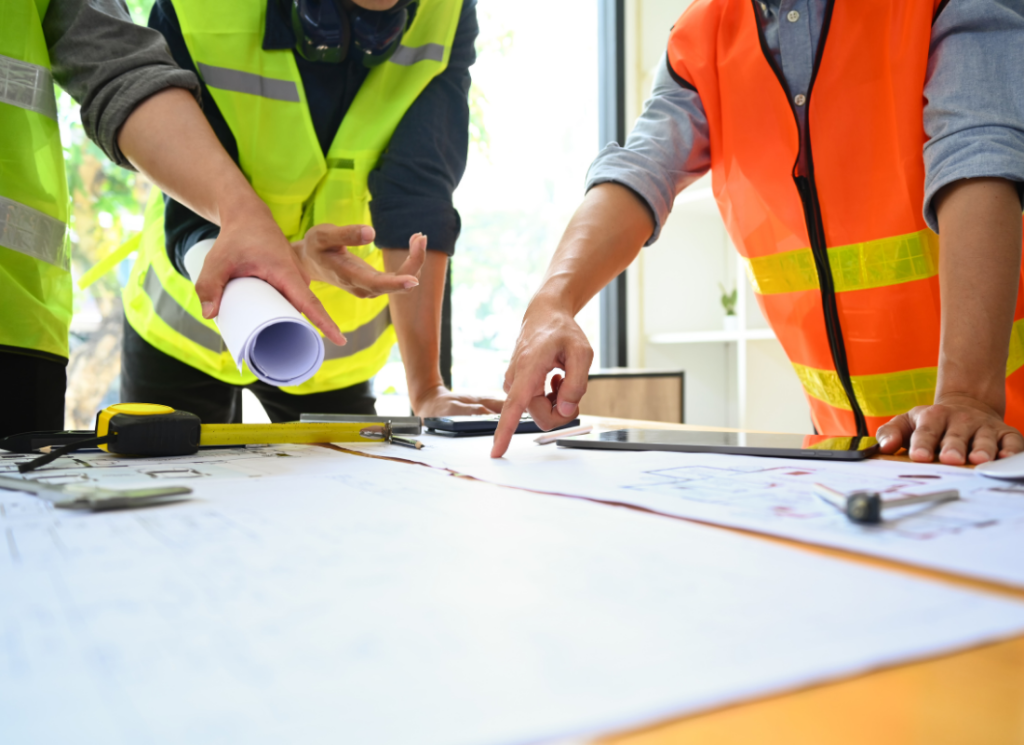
111 260
288 432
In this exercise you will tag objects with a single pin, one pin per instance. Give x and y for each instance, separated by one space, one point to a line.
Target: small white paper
261 328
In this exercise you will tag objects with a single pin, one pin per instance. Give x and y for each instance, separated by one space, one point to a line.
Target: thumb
572 388
210 286
895 434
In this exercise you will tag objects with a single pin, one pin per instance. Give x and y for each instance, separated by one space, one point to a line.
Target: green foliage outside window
106 210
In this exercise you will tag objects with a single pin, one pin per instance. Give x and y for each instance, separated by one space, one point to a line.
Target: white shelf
706 337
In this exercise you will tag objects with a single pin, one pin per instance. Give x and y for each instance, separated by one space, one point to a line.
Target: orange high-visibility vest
844 267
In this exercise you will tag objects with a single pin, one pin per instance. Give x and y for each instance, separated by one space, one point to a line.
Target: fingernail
565 408
207 310
409 284
366 235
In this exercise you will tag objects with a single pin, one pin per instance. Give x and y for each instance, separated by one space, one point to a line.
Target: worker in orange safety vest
827 126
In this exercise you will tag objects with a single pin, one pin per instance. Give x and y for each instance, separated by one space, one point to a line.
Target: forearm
168 139
417 319
602 239
979 270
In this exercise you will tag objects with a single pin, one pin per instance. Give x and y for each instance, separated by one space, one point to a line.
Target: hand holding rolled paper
261 328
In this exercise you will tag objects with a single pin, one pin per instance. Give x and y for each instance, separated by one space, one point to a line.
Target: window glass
534 127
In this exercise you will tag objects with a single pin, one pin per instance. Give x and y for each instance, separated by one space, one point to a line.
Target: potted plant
728 299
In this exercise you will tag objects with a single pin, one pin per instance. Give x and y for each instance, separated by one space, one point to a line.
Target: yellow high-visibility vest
35 277
262 99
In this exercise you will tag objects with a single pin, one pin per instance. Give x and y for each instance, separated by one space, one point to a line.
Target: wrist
422 392
551 301
241 206
987 388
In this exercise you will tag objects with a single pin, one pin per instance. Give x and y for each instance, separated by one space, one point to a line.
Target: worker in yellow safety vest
868 166
350 120
35 273
140 108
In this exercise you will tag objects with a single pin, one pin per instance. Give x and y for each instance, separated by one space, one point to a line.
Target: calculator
480 424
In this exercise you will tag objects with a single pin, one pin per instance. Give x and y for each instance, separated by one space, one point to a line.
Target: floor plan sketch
113 471
786 492
980 535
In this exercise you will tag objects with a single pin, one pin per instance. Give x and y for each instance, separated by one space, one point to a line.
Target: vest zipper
813 219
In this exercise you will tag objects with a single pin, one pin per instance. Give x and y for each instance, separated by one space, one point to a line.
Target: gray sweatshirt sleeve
667 150
974 108
108 64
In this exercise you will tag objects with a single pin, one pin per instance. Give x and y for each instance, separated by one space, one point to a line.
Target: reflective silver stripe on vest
361 338
411 55
246 82
33 233
27 86
179 319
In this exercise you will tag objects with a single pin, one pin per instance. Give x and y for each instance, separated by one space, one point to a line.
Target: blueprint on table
310 596
981 535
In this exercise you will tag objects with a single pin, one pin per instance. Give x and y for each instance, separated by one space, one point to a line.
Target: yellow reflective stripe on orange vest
887 394
893 393
858 266
1015 359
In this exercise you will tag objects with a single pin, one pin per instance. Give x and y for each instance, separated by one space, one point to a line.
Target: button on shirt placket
796 50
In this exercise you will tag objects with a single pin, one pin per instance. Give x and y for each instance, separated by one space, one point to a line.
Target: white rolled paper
261 328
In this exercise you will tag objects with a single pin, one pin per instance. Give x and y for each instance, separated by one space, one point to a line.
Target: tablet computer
733 443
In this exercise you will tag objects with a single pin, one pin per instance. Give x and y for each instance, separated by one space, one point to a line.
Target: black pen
407 442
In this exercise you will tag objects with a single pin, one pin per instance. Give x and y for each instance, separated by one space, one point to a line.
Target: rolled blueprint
261 328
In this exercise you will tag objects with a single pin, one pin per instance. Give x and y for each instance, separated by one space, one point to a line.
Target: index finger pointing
511 413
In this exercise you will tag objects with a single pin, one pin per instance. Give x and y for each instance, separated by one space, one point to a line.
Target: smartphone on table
479 425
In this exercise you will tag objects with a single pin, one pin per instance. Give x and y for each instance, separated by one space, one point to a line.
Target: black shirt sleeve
412 187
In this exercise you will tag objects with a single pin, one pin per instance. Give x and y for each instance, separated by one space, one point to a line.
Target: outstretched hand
548 341
254 246
960 429
324 255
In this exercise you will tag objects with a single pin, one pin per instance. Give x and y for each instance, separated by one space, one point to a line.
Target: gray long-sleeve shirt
973 114
108 64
